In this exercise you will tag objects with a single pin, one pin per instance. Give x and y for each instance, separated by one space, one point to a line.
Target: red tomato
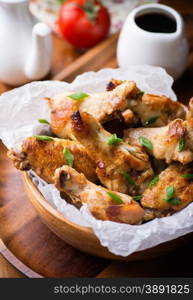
83 23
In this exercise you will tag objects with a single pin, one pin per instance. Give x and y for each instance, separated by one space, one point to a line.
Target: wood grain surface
63 260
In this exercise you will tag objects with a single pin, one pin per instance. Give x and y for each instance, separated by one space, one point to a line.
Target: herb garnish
153 181
114 140
187 176
137 198
115 198
78 96
128 178
182 144
170 192
43 121
151 120
44 138
170 196
68 156
146 143
174 201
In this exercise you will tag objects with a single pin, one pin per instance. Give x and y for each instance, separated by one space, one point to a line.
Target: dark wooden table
179 263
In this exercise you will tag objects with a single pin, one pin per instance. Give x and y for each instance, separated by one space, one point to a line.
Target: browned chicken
102 203
113 84
170 143
120 167
44 157
102 106
172 192
151 110
156 111
121 97
124 166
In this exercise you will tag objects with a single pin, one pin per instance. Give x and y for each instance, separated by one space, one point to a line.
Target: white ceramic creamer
139 45
25 47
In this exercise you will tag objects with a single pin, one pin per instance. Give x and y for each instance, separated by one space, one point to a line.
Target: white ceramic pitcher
25 48
137 46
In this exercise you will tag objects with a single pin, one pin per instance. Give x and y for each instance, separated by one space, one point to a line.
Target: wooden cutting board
31 246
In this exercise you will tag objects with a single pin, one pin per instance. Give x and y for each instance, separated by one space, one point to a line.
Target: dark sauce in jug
156 22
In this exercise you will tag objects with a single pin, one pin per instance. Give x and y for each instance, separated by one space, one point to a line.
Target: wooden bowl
83 238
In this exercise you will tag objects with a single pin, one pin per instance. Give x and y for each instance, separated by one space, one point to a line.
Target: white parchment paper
22 107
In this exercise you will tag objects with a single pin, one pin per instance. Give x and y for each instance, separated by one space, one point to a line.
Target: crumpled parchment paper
22 107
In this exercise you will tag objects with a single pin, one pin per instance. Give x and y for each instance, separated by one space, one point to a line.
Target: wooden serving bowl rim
37 198
41 199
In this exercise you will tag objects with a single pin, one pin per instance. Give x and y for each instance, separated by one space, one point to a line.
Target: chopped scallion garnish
115 198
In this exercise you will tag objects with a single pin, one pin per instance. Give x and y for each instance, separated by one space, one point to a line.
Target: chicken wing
156 111
172 192
120 167
102 203
152 110
44 157
170 143
102 106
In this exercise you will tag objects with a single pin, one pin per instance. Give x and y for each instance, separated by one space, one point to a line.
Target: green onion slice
137 198
114 140
128 178
182 144
187 176
170 196
78 96
151 120
43 121
115 198
146 143
68 156
44 138
153 181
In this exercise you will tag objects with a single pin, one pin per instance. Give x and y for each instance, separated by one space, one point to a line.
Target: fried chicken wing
152 110
162 201
115 162
102 106
170 143
44 157
156 111
124 209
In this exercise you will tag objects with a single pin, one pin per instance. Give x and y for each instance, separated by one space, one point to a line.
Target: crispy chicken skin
147 106
100 204
44 157
121 97
102 106
111 160
165 140
154 197
113 84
